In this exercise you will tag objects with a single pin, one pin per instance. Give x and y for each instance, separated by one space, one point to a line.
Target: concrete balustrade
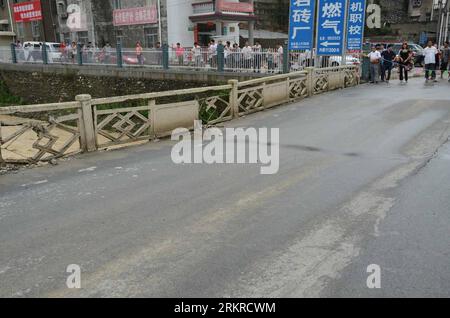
101 122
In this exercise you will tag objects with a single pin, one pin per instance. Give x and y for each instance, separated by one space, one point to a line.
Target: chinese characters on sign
301 24
330 34
355 25
133 16
241 7
27 11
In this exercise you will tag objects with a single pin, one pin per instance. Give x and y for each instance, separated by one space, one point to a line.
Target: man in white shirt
280 56
375 58
212 52
430 61
247 54
197 55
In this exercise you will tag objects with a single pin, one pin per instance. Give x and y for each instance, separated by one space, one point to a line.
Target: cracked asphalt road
364 179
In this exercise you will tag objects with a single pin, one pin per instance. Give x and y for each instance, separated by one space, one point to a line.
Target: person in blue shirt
388 57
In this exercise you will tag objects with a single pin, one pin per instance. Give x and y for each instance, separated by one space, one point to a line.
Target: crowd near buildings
189 21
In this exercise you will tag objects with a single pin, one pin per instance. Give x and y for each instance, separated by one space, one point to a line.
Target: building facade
273 15
220 19
150 21
416 20
7 30
124 21
40 29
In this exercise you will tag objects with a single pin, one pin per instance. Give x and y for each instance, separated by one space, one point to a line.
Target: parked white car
32 51
301 60
350 60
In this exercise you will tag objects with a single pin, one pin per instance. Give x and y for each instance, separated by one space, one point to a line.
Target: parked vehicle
305 59
32 51
111 58
350 60
417 50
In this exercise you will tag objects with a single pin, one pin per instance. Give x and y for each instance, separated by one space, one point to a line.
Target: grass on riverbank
6 98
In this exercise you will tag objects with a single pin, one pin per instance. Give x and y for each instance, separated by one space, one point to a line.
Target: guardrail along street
49 131
245 60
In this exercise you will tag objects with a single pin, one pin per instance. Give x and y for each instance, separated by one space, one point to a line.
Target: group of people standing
436 59
235 58
383 61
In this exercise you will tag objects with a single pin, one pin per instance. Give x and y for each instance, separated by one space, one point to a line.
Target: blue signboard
423 38
301 24
330 27
355 24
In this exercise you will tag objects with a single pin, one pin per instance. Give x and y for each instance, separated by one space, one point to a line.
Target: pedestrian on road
247 53
430 62
375 58
388 57
257 59
437 64
227 53
139 55
445 54
236 57
279 60
179 52
380 48
197 55
73 51
19 51
212 53
63 51
90 52
158 53
404 59
107 50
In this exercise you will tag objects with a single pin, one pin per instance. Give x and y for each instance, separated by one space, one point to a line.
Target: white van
32 51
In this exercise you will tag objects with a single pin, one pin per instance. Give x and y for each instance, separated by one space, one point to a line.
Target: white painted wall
178 12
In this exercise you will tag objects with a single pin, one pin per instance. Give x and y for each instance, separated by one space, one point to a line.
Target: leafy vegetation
6 98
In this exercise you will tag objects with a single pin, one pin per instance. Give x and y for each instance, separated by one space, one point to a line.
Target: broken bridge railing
33 133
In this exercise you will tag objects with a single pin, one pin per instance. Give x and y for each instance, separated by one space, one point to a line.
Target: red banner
27 11
132 16
243 7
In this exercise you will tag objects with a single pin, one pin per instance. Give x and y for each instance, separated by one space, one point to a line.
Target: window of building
36 30
67 38
4 27
117 4
151 36
83 37
20 30
119 36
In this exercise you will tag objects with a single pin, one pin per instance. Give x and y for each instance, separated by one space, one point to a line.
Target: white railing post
87 129
342 76
310 80
234 104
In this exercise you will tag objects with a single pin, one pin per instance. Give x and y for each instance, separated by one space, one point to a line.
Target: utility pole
344 46
439 24
159 21
442 22
446 19
11 20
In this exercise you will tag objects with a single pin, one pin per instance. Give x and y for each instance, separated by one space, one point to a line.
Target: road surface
364 179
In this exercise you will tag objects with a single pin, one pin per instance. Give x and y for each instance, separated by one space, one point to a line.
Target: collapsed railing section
45 132
33 133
